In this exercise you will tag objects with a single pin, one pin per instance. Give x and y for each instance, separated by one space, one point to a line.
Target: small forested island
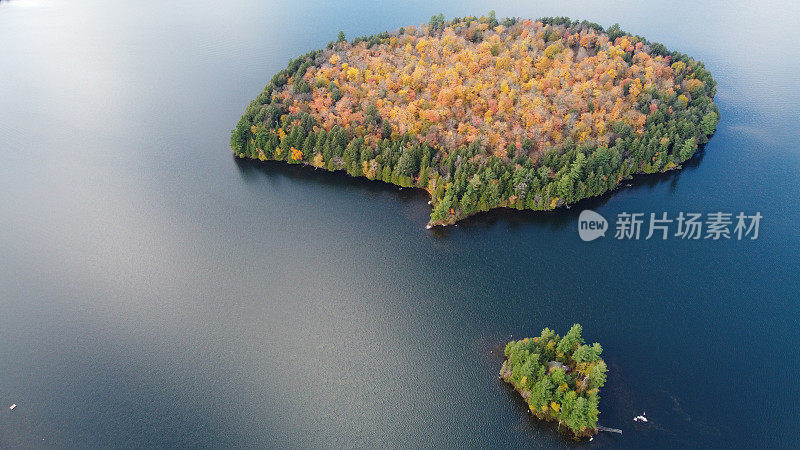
481 113
559 378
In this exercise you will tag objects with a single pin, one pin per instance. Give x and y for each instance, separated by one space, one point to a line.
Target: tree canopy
486 113
559 377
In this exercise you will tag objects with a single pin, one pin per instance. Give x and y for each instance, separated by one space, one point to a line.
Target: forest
558 377
486 113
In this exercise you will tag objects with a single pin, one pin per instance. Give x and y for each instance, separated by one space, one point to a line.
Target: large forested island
526 114
558 377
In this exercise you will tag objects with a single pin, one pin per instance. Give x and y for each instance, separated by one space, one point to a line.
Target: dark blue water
154 291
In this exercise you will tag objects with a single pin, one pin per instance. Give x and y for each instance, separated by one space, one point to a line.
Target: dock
610 430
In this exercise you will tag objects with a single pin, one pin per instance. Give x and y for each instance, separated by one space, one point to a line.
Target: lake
157 292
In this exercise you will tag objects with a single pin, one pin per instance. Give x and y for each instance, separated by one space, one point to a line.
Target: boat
12 407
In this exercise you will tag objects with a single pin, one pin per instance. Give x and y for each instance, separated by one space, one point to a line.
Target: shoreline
454 220
505 376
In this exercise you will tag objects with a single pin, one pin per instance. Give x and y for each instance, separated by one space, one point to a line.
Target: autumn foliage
484 114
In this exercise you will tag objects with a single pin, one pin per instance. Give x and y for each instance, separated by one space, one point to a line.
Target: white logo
591 225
